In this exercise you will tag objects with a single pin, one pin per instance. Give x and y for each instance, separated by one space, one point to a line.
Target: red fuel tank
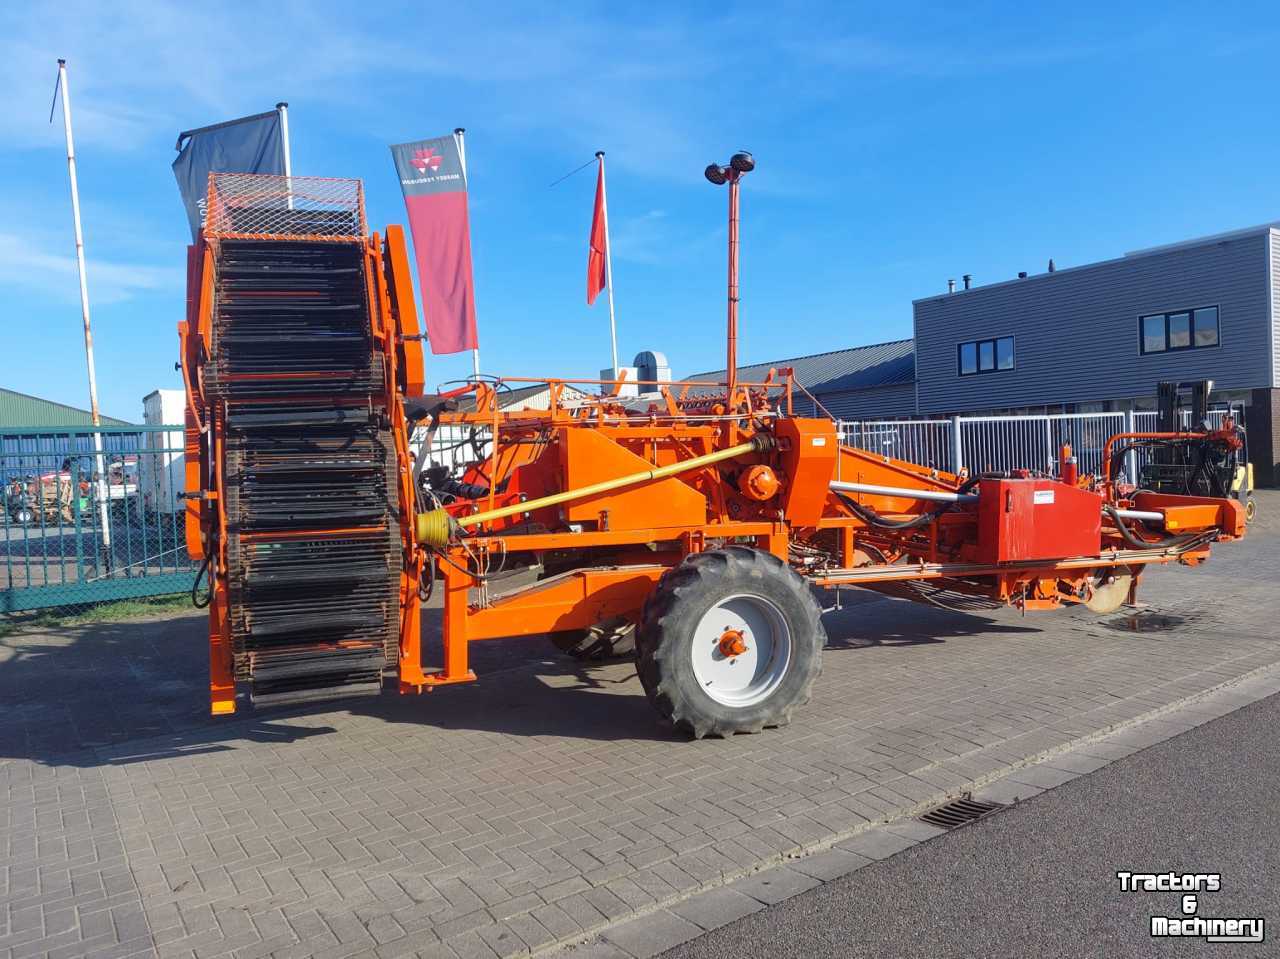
1032 519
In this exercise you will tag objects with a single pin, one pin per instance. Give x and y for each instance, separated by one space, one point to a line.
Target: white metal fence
983 443
452 446
978 443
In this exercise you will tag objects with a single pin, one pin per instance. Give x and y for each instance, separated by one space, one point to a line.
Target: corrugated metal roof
857 368
21 409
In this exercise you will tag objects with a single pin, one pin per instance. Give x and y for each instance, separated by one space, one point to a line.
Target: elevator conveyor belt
313 549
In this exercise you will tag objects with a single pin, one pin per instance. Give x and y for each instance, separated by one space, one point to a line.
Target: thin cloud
134 66
54 275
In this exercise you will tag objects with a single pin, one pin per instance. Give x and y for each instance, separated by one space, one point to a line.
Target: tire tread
659 651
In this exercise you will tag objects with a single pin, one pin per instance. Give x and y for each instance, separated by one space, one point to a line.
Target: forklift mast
1174 397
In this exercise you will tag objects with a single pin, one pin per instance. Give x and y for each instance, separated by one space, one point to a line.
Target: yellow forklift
1192 467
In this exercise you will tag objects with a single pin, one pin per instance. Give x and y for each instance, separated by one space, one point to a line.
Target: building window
1206 324
985 356
1181 330
1004 353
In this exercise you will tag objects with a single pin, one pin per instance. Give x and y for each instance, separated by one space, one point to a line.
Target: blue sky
897 145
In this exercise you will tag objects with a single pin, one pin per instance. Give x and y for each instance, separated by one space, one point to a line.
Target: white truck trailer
160 467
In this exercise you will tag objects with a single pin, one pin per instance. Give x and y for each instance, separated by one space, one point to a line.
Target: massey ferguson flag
435 194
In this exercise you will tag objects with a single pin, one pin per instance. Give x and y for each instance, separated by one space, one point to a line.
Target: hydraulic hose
872 518
195 586
1167 542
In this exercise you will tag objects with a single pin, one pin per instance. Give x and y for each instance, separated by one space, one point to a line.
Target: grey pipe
1147 516
942 496
936 496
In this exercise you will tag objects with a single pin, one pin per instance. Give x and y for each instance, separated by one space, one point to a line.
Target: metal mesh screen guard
250 206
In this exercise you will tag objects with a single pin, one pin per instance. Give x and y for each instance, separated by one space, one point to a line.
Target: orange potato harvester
698 522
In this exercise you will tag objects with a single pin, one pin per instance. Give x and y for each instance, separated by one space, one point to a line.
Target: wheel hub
732 643
742 650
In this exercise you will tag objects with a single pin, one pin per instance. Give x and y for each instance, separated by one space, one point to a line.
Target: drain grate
959 812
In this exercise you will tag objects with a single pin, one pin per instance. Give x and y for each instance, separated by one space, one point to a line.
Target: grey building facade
1101 336
1108 332
1086 339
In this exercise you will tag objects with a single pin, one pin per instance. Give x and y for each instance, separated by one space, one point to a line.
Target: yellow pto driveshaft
435 528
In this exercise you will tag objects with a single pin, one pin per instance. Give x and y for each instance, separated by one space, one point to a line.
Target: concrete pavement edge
681 918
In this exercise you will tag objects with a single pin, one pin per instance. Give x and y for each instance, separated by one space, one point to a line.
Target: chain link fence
91 517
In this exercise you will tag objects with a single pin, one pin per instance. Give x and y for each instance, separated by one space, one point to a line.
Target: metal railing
977 443
452 446
983 443
927 442
70 537
1035 442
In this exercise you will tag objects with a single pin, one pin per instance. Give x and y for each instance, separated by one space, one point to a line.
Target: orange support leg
222 679
411 677
455 626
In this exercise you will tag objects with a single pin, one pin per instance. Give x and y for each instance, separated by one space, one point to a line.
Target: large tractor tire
730 642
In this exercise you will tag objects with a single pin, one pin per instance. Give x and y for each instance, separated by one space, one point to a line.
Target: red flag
435 194
598 245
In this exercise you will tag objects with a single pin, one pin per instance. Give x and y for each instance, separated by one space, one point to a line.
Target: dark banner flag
435 194
247 145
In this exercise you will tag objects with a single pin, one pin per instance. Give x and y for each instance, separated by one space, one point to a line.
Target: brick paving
543 803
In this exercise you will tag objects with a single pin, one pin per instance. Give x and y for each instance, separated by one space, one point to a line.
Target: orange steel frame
396 335
678 426
624 540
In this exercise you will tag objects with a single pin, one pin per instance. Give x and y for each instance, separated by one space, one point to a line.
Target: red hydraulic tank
1034 519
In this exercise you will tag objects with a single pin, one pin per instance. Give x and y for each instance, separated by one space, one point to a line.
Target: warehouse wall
1273 242
1076 331
873 403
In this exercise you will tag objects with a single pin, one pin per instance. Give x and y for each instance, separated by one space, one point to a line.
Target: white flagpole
459 134
608 263
99 463
282 108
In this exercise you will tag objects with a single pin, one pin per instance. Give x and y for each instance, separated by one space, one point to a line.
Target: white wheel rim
753 675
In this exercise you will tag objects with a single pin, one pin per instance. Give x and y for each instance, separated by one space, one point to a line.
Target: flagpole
282 108
459 134
99 463
608 263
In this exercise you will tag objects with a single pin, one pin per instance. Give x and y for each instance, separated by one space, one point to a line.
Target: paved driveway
543 802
